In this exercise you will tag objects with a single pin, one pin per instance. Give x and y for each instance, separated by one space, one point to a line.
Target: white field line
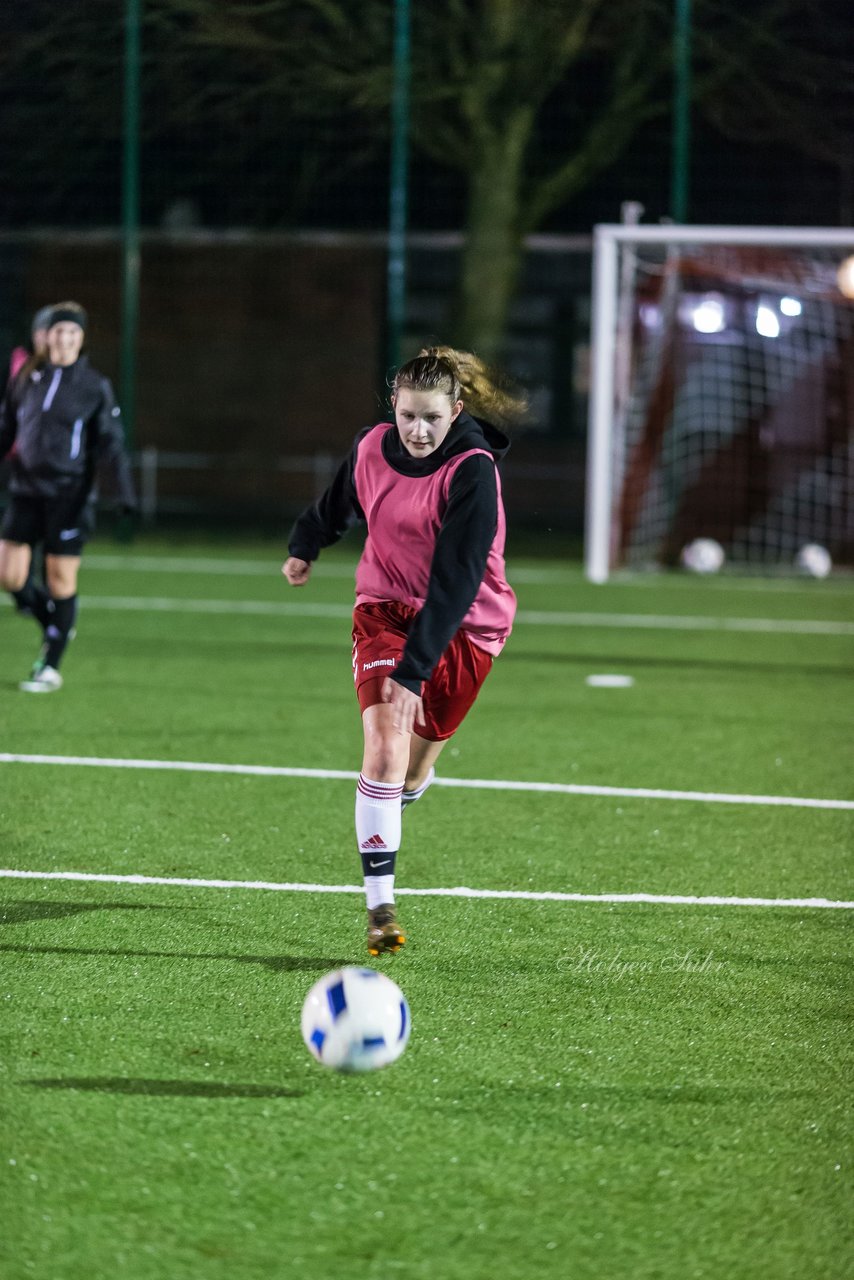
476 784
684 622
530 617
566 574
521 895
272 569
203 565
261 608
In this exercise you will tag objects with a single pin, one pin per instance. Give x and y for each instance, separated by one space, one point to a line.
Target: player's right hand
297 571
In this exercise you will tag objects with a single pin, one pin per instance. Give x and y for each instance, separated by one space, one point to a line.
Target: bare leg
386 748
61 575
16 576
423 754
15 560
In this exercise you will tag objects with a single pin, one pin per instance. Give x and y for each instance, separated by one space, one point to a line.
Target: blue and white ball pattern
355 1019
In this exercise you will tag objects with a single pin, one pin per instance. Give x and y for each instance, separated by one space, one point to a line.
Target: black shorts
60 525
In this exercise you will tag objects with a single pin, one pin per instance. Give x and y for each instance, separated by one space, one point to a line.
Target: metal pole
599 515
396 267
681 111
130 218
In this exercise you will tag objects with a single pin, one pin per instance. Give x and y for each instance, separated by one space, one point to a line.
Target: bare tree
486 75
484 72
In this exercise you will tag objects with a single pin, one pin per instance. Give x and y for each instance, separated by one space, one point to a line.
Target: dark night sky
256 167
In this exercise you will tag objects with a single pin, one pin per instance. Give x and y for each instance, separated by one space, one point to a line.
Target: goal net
722 396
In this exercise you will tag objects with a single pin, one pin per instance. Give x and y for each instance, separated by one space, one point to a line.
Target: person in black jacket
433 605
59 423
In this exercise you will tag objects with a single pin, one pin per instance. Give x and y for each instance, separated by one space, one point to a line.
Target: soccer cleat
384 933
43 679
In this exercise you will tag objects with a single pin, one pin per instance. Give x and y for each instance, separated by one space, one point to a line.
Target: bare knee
14 565
386 748
385 758
10 581
61 576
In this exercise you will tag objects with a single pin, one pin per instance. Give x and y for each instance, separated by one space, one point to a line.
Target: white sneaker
43 679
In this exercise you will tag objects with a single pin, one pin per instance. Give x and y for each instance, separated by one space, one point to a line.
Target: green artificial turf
596 1090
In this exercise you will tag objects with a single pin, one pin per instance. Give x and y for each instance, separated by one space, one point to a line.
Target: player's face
423 419
64 341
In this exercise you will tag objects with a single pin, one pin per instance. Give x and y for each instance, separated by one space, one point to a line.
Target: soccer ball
355 1020
703 555
814 560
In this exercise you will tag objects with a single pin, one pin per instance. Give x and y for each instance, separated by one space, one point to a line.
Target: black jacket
462 544
59 426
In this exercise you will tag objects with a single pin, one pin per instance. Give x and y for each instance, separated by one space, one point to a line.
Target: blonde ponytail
463 376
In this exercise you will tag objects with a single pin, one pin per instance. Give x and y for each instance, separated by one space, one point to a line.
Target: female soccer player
433 606
58 421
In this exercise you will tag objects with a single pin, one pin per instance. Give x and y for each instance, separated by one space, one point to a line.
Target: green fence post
681 111
130 219
396 266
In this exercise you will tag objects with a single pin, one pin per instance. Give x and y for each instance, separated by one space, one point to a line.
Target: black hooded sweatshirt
462 544
60 425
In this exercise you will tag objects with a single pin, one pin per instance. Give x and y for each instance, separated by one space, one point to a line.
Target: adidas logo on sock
374 842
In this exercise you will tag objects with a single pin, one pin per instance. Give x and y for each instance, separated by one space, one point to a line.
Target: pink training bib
404 515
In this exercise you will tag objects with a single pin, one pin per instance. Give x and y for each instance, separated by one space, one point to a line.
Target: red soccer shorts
379 635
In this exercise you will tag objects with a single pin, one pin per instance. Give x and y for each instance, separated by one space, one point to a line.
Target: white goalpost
722 397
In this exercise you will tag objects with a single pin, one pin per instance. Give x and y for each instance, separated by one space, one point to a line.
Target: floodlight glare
708 316
845 277
767 321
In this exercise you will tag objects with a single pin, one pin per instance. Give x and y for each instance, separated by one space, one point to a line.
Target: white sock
378 836
409 797
379 891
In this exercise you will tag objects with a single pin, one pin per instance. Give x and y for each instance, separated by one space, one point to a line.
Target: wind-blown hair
461 375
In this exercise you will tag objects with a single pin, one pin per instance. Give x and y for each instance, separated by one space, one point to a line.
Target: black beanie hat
68 315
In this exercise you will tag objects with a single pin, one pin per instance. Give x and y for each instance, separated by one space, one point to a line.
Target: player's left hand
407 706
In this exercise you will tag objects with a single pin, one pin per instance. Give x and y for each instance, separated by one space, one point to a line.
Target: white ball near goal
814 559
355 1020
703 555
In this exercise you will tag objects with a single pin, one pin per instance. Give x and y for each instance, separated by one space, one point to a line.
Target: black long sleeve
456 571
329 518
8 421
66 427
111 446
